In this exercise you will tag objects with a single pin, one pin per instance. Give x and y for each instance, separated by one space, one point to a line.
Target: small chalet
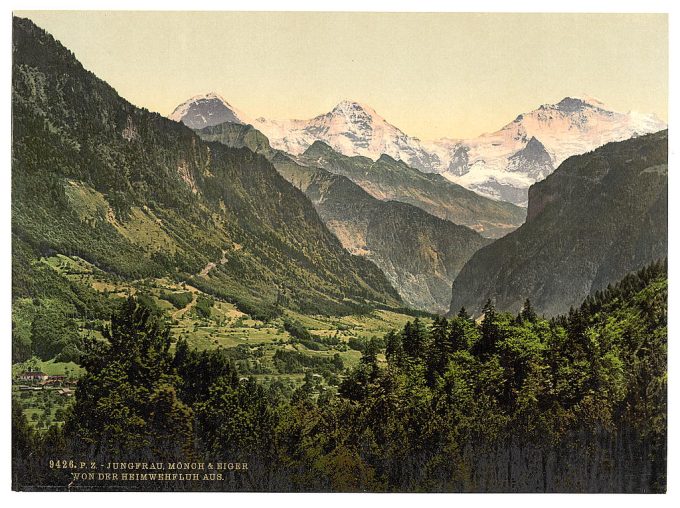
34 376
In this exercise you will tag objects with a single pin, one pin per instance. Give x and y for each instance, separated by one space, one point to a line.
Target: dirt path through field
181 312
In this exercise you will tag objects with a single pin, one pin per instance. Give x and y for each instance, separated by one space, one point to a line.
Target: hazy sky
432 75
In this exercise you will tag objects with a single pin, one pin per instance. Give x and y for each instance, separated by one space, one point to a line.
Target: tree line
576 403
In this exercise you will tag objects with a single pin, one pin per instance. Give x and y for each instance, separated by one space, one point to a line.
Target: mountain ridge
599 216
570 127
488 163
391 179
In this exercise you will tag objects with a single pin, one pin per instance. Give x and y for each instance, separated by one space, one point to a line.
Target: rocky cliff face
420 254
598 217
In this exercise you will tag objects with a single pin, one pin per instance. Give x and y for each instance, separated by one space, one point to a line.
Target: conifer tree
463 314
394 349
127 401
528 313
369 357
414 340
490 332
441 347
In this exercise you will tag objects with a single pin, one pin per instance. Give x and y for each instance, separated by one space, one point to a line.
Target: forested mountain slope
139 195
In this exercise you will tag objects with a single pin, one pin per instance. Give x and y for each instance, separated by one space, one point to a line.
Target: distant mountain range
384 178
505 163
390 179
421 256
598 217
501 165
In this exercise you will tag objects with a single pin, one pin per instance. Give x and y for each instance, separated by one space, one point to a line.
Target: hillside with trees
420 253
138 195
514 403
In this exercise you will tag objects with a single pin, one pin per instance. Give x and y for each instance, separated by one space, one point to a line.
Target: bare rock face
598 217
533 160
206 110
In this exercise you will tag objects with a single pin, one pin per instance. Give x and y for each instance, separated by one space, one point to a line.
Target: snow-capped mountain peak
207 110
351 128
501 164
352 109
352 116
350 105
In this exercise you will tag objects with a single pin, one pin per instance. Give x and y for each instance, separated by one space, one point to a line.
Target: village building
33 376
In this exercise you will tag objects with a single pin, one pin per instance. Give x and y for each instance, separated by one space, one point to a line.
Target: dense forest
576 403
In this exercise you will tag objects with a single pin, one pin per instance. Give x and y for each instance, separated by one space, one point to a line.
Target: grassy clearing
252 343
51 368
